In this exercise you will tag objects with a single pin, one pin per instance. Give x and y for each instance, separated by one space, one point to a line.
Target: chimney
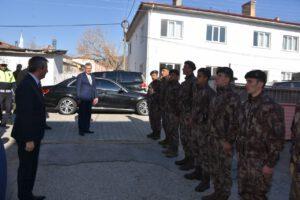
249 8
177 3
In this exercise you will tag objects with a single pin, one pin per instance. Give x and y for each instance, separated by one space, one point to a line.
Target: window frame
292 37
265 33
219 34
168 28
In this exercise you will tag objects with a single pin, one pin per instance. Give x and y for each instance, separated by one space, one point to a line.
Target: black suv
133 81
287 84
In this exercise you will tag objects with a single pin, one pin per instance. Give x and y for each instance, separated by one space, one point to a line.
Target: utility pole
125 25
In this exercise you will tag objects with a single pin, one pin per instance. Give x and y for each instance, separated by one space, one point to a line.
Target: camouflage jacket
296 139
186 95
153 93
202 97
163 87
224 114
261 130
172 97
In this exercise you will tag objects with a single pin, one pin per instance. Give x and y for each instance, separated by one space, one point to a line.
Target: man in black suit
29 125
87 96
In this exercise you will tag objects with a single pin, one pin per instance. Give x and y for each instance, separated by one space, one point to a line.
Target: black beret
205 71
257 74
191 64
174 71
225 70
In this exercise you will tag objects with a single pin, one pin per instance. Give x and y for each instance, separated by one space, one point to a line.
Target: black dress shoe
47 127
89 132
38 197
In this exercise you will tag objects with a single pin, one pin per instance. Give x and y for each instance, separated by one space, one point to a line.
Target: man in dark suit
29 125
87 96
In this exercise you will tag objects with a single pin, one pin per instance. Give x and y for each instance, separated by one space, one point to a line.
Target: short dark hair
257 74
88 64
36 62
206 72
19 66
174 71
154 72
191 64
227 71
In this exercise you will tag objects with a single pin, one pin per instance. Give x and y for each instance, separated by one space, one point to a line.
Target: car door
114 96
101 93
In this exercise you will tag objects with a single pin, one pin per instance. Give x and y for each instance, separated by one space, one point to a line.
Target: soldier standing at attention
162 102
202 96
224 126
172 113
295 160
153 106
260 140
185 107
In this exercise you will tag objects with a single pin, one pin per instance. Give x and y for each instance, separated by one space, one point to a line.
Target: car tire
142 108
67 106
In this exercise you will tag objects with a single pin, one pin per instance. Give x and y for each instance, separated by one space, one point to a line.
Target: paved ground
116 163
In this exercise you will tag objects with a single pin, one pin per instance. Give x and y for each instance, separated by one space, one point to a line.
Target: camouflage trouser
164 122
252 183
173 130
220 164
185 135
295 187
6 101
155 118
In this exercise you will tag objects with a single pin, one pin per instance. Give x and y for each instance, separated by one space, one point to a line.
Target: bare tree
93 44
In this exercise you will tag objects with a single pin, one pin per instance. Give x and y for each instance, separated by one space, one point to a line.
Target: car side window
73 84
296 84
110 75
106 85
131 77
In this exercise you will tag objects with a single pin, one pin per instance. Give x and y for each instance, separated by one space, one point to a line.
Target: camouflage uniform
259 143
223 122
202 97
162 102
295 161
185 107
172 113
153 105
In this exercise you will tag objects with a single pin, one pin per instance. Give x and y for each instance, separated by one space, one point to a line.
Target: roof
8 48
191 10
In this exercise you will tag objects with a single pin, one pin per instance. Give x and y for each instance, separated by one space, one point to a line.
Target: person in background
87 97
17 72
29 125
153 105
7 83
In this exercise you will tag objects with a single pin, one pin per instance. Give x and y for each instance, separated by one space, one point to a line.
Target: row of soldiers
210 123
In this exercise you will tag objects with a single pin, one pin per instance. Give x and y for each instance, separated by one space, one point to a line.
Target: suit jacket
85 90
30 111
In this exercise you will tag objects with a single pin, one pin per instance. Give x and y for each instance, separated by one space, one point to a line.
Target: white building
13 55
167 35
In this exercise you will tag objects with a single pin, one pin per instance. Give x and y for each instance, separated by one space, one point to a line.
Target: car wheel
142 108
67 106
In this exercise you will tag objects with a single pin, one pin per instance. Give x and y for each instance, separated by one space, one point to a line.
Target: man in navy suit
87 96
29 125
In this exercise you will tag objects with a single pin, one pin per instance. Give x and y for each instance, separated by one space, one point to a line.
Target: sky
59 12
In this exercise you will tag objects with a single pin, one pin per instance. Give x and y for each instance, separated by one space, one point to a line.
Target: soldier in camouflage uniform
202 96
224 126
185 107
153 106
172 113
295 159
260 140
162 103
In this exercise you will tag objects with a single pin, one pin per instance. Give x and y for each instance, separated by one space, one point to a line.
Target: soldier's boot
212 196
205 184
163 142
171 152
156 135
188 165
223 196
181 162
195 175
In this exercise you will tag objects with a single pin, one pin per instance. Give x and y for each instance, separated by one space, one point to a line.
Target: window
290 43
261 39
106 85
286 76
128 77
110 75
216 33
171 29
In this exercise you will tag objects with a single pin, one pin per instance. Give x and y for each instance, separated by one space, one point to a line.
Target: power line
58 25
131 9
